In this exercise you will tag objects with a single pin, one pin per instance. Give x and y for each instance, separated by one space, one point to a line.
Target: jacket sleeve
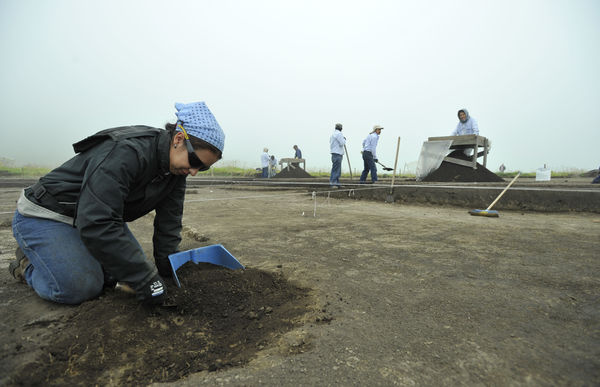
455 132
167 223
99 217
475 127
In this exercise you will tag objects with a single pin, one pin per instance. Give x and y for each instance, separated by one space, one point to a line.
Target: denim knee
76 292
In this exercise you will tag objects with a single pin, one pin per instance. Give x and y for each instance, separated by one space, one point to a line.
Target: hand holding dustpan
215 254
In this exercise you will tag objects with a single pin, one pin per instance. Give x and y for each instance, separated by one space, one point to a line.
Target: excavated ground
335 292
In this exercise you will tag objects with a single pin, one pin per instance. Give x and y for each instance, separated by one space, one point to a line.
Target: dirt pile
459 173
219 318
292 173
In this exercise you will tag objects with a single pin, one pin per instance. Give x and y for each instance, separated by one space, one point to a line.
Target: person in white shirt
264 162
369 154
336 147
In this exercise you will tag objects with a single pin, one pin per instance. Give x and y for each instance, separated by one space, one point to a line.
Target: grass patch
27 171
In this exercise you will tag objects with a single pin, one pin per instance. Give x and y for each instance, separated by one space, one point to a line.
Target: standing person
298 153
336 147
71 225
264 162
502 168
597 179
369 154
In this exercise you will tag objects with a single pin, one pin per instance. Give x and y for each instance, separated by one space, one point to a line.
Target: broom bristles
488 213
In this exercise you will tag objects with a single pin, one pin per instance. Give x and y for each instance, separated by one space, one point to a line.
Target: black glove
376 160
152 292
164 267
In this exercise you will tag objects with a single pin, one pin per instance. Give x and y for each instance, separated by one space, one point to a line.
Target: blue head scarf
199 122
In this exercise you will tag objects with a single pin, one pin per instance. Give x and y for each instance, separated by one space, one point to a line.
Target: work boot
18 266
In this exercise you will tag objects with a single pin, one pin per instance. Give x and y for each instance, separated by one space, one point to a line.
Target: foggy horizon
277 74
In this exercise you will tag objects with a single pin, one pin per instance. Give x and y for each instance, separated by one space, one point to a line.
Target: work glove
164 267
153 292
376 160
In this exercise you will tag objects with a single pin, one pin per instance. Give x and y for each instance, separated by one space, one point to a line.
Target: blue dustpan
215 254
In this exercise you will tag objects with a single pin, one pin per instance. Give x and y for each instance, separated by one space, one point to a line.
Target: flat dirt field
344 292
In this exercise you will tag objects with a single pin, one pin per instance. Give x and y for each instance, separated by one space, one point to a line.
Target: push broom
488 211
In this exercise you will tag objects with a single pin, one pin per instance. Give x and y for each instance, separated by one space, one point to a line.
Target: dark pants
369 167
265 172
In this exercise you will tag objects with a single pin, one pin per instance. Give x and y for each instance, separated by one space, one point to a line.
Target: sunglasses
193 159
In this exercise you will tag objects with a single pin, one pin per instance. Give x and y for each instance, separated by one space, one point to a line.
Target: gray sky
279 73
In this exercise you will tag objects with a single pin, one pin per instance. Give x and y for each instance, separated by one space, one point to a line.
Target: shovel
384 167
215 254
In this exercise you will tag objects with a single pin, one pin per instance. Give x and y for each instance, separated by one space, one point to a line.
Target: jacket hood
466 114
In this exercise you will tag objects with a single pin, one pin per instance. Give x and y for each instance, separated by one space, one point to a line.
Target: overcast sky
278 73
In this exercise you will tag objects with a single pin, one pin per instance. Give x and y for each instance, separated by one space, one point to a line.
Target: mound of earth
219 318
591 173
459 173
292 173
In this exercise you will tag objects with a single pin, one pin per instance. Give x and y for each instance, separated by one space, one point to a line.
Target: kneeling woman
71 225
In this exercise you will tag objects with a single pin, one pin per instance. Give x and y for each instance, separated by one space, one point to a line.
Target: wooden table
292 163
469 141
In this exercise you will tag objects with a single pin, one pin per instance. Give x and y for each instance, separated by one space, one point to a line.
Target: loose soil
386 294
293 173
219 318
460 173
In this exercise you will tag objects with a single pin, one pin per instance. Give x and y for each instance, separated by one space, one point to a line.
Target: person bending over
71 226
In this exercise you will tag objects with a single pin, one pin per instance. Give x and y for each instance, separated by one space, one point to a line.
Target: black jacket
118 175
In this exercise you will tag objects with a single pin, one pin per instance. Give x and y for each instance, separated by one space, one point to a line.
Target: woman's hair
196 142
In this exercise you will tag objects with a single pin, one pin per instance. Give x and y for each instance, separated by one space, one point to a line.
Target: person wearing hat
71 225
336 147
369 154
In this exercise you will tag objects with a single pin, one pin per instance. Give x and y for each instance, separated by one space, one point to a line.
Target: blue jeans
61 269
265 172
369 166
336 169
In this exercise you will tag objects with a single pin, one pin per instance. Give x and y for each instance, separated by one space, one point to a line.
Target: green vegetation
229 171
28 171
